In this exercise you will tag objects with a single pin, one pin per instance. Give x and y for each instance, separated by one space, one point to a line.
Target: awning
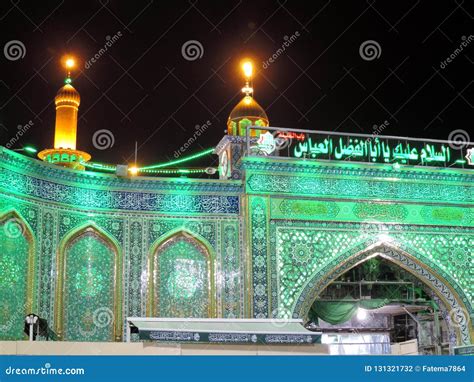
218 331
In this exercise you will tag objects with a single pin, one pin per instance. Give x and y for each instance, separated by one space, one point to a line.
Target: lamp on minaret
67 102
247 68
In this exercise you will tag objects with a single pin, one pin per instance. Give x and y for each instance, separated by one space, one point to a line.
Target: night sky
143 88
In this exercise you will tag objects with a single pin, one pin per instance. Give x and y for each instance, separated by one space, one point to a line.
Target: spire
247 67
69 63
247 111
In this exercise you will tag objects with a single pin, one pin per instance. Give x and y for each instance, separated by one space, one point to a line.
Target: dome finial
247 67
69 63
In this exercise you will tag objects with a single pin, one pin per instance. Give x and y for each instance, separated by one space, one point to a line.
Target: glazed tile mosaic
86 251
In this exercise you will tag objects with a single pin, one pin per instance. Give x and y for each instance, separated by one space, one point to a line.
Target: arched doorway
88 289
17 274
181 277
458 315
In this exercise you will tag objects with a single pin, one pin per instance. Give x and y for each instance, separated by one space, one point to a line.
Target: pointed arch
452 298
13 226
243 123
103 314
156 250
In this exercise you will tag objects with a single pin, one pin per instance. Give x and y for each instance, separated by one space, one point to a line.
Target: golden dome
246 112
246 108
67 95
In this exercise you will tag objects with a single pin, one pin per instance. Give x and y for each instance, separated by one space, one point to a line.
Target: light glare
361 314
70 63
248 69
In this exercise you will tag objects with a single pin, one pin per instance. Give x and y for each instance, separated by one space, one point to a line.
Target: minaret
67 103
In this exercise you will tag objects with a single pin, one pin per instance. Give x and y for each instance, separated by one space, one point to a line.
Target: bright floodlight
70 63
361 314
248 69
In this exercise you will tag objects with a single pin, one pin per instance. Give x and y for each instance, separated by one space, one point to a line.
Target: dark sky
143 89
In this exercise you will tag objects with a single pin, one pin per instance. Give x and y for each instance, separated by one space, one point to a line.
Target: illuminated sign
306 144
373 151
470 156
266 143
291 135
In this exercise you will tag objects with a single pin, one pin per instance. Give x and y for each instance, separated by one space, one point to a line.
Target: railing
338 290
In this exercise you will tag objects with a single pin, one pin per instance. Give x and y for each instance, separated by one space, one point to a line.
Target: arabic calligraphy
372 150
291 135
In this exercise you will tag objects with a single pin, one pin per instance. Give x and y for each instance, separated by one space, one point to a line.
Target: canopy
336 312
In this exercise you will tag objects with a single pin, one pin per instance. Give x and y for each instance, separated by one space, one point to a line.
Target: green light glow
176 171
152 169
99 166
30 149
172 163
361 148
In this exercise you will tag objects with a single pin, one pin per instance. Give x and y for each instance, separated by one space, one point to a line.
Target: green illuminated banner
364 148
372 151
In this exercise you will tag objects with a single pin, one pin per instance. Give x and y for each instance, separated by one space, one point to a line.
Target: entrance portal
377 304
438 298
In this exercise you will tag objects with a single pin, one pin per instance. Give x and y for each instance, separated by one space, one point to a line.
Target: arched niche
243 123
458 312
181 277
17 263
89 286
